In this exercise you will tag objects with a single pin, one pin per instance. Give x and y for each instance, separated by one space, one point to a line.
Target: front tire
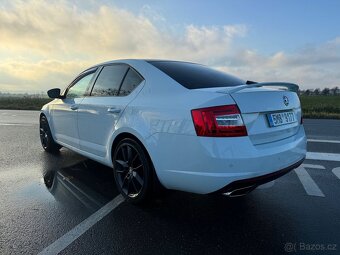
133 171
46 138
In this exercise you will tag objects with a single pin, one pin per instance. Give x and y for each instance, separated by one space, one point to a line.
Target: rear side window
195 76
131 81
109 80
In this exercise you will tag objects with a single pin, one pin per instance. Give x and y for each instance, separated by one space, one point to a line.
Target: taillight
219 121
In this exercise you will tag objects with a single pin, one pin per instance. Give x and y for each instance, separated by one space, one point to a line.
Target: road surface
77 209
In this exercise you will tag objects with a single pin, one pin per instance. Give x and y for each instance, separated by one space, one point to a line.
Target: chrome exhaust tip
240 191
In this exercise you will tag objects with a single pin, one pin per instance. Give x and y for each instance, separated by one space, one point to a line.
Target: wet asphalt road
42 197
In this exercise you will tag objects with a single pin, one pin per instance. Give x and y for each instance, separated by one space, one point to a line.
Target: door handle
114 110
74 107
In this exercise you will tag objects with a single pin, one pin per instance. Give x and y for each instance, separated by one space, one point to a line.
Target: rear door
100 111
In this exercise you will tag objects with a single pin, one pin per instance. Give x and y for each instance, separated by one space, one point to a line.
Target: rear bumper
256 181
204 165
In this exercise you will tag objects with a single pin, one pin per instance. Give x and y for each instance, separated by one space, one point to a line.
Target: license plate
281 118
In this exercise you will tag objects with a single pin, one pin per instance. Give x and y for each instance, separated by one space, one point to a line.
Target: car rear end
270 121
248 136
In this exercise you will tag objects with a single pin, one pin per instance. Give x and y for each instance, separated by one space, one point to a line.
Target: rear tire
133 171
46 138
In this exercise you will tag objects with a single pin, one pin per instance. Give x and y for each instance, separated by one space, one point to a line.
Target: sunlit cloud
24 76
60 29
313 66
46 43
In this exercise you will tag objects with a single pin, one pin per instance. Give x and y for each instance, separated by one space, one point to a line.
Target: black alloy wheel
46 138
132 170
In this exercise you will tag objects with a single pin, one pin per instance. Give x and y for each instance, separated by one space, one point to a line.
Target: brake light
219 121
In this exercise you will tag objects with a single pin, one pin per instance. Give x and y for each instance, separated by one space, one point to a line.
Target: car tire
47 141
133 171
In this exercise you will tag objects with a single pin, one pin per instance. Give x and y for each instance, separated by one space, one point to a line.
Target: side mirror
54 93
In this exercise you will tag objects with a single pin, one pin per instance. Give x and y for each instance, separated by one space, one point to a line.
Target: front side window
79 88
109 80
131 81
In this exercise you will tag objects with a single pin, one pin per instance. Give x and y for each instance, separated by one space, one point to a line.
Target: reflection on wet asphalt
31 215
86 182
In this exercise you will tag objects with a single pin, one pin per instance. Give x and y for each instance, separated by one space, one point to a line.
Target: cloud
44 44
311 66
54 29
54 34
23 76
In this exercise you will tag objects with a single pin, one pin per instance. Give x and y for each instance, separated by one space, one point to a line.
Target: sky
45 44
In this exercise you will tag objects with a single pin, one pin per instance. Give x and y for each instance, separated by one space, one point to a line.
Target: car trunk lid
259 105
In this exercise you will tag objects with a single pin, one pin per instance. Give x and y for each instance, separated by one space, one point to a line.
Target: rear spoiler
288 86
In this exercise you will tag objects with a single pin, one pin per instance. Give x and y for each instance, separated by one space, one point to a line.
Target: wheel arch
46 113
42 114
124 135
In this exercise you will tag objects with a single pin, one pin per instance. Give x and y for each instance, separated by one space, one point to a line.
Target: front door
64 111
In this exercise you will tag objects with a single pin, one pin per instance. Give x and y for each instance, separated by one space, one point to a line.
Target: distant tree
325 92
316 91
308 92
335 90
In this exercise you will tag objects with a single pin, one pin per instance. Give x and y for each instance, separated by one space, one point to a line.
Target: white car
182 125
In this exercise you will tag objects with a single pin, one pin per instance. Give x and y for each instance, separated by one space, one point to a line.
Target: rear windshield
195 76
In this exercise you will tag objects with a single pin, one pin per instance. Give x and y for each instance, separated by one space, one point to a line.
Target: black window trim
121 83
100 68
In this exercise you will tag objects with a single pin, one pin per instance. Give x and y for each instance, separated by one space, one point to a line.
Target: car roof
127 61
